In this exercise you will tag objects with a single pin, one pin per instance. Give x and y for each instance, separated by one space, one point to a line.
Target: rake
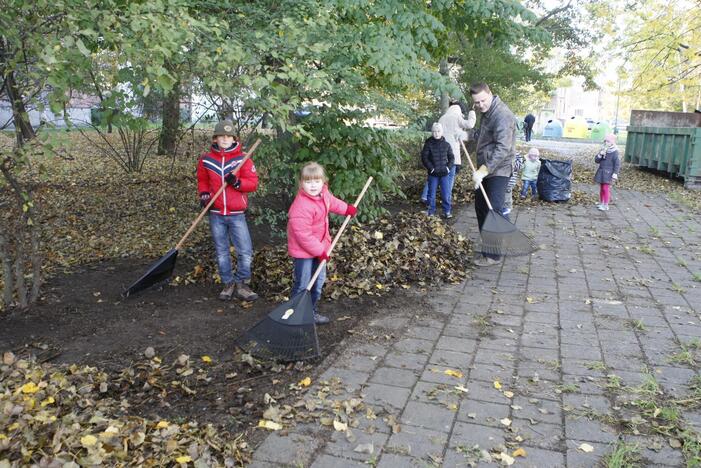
163 268
288 333
499 235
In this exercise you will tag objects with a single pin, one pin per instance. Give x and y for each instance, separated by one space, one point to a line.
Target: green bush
348 151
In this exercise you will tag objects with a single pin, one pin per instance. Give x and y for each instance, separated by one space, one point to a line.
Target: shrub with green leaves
349 152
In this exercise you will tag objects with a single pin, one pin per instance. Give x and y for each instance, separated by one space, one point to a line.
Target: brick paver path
571 335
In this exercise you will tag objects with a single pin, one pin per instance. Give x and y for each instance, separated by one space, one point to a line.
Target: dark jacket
609 164
529 120
437 156
496 145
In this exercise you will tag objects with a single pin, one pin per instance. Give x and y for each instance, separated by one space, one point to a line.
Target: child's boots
243 291
227 293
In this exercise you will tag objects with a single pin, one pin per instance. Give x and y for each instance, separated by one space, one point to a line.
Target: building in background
572 101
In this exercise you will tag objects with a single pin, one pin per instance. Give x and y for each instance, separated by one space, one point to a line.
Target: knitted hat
533 153
610 139
437 127
224 128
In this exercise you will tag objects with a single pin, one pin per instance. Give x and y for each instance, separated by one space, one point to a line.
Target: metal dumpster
674 150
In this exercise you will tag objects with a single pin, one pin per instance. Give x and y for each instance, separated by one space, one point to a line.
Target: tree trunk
37 261
20 285
167 142
9 284
20 117
445 99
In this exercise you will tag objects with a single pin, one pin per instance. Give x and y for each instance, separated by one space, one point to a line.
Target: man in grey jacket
496 148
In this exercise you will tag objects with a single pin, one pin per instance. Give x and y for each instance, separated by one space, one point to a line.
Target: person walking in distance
528 122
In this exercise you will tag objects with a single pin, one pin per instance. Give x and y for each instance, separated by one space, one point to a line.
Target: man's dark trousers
496 190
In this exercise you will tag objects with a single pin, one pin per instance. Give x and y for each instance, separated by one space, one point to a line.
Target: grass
647 250
483 323
624 455
614 382
697 276
677 288
688 353
596 365
567 388
636 324
654 231
682 263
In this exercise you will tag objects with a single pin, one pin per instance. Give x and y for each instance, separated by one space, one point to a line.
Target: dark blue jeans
529 183
304 268
445 184
232 228
496 190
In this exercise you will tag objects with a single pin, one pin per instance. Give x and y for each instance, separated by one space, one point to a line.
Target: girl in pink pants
609 166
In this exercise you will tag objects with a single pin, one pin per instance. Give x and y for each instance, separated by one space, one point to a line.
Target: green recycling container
673 150
600 130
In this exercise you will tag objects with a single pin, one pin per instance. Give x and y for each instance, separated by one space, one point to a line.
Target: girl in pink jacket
308 238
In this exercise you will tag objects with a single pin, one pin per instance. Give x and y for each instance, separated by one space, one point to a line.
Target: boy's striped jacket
213 166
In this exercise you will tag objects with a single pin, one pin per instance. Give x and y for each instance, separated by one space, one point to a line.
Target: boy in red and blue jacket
227 217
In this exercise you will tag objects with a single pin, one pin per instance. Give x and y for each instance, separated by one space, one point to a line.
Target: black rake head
288 333
501 237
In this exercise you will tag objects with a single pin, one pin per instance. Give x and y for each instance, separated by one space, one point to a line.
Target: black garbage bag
555 180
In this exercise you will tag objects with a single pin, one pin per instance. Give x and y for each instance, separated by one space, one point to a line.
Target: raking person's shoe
243 291
485 261
227 292
321 319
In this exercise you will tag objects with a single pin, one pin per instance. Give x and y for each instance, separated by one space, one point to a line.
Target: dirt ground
82 319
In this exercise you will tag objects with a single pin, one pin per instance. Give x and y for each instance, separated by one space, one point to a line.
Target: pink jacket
308 223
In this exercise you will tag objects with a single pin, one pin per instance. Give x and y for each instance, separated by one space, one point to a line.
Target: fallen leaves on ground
413 250
78 422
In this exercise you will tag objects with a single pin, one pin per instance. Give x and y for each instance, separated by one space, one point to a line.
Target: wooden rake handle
338 234
216 195
472 166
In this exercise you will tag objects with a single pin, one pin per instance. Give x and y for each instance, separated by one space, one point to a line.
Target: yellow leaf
506 422
273 426
461 388
207 359
162 425
340 426
30 387
3 436
519 452
505 458
453 373
88 440
379 286
183 459
497 385
530 300
508 394
305 382
47 401
586 448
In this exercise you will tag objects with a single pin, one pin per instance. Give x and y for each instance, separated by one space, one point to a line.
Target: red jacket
308 223
214 166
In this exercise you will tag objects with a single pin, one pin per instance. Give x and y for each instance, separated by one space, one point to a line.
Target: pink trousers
605 193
